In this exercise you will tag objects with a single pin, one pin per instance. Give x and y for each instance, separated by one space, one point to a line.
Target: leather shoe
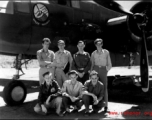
86 113
60 114
105 109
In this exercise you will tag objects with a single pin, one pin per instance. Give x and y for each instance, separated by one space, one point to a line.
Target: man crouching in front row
93 93
72 92
49 96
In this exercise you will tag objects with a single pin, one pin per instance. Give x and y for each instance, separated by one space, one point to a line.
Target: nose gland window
23 7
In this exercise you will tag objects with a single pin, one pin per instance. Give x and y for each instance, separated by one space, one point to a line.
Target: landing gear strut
15 91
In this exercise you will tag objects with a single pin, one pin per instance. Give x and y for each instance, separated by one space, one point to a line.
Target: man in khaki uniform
72 92
45 58
101 62
62 57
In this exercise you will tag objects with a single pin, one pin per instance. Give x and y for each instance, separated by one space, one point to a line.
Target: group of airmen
84 84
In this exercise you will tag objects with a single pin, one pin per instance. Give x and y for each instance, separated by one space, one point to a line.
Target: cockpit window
75 3
22 6
70 3
64 2
54 1
7 6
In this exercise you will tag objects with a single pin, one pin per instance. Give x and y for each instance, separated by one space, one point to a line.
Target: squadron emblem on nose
41 14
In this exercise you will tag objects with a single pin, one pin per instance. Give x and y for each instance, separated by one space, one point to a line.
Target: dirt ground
127 102
124 103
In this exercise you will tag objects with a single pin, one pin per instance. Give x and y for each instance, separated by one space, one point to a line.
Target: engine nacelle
134 29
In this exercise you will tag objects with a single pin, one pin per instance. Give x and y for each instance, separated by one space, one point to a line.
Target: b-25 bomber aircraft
24 23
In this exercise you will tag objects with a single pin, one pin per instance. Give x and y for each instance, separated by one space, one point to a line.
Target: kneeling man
93 93
72 92
49 96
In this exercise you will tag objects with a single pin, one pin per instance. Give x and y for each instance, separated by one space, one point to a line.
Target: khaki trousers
60 76
88 100
55 103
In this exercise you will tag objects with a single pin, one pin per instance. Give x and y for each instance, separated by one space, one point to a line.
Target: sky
127 4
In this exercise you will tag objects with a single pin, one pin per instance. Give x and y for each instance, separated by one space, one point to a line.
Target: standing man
49 96
81 62
101 62
72 92
62 57
93 93
45 58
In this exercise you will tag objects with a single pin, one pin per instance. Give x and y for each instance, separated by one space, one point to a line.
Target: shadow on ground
126 95
133 95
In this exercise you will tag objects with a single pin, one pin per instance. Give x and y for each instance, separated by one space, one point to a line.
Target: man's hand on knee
44 109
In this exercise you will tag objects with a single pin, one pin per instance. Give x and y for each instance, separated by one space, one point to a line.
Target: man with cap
62 57
93 93
49 96
72 92
81 62
101 62
45 58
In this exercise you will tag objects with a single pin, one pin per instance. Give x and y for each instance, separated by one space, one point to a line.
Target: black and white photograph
75 59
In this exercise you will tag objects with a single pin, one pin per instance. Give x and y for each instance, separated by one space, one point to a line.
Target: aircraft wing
117 20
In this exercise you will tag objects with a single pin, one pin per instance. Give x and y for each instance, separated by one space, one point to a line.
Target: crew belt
60 68
43 66
80 68
100 66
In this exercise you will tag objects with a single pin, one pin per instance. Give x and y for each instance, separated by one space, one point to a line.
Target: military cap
61 42
98 41
73 72
46 40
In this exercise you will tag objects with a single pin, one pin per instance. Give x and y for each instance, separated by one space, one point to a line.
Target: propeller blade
140 18
144 70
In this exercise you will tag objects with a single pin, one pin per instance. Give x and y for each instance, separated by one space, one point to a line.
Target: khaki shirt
102 59
62 58
45 57
75 90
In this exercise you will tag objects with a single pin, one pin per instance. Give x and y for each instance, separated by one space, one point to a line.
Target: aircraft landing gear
15 91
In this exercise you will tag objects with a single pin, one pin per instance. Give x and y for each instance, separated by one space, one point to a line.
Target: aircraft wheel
14 93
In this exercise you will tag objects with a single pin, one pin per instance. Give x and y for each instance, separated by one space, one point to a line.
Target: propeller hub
140 18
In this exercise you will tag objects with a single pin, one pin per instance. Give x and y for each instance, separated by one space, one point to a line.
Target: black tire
110 80
14 93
